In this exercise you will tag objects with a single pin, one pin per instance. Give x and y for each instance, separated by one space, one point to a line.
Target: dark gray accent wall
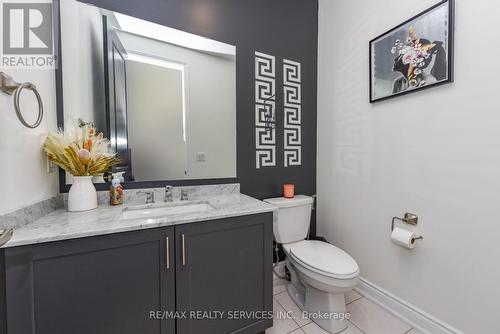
282 28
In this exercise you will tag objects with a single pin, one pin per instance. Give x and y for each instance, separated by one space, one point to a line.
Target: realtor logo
27 35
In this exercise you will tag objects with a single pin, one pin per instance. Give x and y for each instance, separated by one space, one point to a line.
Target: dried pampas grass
80 151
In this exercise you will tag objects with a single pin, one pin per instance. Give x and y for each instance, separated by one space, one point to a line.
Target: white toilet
320 272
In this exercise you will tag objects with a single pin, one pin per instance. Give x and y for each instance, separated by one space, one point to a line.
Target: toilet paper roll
404 238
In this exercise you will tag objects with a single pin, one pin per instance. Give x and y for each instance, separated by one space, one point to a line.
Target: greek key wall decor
292 113
265 110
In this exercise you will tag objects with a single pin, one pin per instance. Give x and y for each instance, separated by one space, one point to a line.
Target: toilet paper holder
408 218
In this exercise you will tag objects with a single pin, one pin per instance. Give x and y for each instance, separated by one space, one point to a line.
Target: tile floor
366 317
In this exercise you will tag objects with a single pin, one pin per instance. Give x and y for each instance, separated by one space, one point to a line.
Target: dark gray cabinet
100 285
112 283
225 266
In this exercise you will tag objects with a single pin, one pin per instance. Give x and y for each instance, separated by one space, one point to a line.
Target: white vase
82 195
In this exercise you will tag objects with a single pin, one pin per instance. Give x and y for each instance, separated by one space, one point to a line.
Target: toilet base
326 309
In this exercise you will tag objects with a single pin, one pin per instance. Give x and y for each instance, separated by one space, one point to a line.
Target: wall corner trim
410 314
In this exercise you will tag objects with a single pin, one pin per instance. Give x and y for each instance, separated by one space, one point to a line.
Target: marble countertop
63 225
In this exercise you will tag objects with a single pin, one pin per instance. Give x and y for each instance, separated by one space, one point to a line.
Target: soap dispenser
116 189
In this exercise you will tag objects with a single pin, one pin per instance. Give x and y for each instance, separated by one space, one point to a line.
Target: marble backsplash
194 192
30 213
33 212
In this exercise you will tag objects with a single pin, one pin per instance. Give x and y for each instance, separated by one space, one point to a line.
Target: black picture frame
450 54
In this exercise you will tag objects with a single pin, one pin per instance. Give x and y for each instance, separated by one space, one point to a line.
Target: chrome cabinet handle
183 250
167 253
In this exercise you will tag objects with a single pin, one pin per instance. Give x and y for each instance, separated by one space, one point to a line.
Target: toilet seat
324 259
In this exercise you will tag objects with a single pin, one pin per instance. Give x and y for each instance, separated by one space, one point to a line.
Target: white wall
23 165
435 153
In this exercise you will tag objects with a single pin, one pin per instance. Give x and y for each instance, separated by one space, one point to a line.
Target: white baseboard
417 318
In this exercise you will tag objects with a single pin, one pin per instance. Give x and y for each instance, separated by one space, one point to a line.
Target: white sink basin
163 210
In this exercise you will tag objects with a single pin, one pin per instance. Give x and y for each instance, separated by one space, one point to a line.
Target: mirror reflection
165 98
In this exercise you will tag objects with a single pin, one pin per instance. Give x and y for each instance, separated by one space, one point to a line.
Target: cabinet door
99 285
225 266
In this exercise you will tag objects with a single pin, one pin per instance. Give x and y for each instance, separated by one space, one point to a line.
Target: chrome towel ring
9 86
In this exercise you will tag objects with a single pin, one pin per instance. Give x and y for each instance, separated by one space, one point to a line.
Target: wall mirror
164 97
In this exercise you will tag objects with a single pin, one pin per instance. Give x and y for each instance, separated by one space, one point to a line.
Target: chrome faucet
168 194
184 195
150 196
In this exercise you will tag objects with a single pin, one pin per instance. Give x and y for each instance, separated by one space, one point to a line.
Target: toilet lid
325 259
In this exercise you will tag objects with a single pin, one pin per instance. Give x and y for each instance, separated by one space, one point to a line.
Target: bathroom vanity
93 272
166 99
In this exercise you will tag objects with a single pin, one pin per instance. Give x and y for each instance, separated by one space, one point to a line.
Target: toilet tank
292 219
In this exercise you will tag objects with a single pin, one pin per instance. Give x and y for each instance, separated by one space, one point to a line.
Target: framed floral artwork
415 55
